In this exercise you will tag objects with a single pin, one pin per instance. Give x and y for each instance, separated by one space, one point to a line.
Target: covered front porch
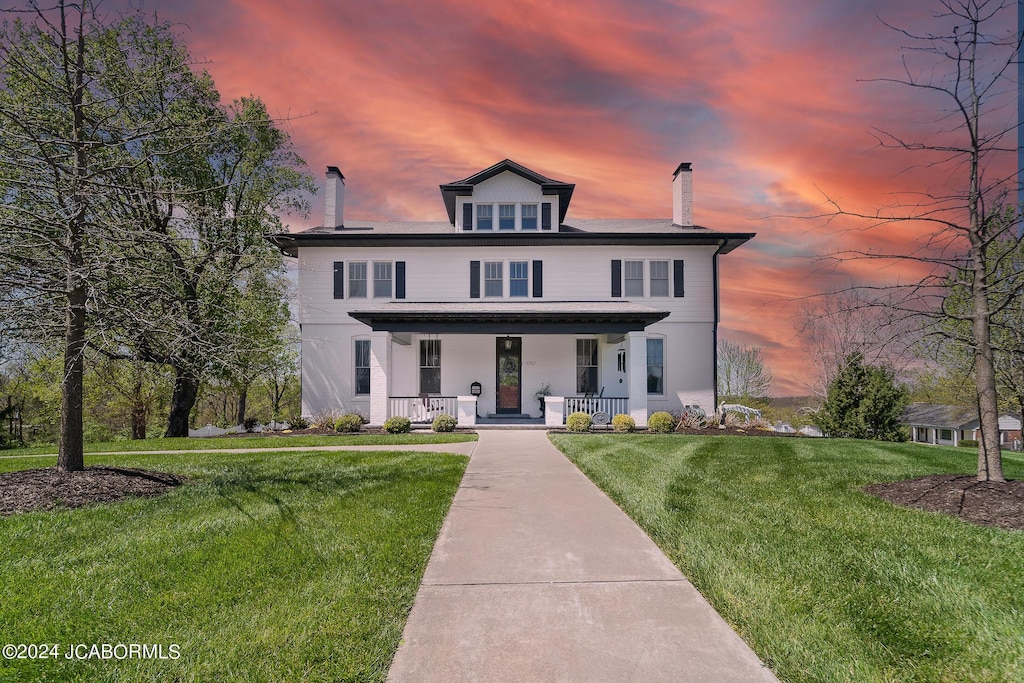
510 362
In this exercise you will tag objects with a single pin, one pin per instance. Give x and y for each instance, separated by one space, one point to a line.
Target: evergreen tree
863 402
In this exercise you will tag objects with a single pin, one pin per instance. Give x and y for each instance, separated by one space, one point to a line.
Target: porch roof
507 317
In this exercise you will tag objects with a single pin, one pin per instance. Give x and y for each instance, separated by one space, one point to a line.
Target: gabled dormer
507 197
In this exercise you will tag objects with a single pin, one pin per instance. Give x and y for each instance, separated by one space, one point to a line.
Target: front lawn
284 566
276 441
826 583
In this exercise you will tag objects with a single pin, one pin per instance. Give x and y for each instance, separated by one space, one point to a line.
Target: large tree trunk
70 457
243 396
186 389
140 411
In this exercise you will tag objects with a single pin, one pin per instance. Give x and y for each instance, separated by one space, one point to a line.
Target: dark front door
510 374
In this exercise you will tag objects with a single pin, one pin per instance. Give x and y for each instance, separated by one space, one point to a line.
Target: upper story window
519 278
659 278
634 278
484 217
357 280
493 278
382 279
506 216
529 218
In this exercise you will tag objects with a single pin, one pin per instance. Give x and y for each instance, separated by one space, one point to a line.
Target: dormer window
506 216
484 217
529 216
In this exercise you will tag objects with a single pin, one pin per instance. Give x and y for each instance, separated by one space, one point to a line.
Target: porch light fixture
475 389
508 343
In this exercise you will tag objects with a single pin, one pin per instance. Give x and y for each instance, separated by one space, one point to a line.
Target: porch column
380 347
637 350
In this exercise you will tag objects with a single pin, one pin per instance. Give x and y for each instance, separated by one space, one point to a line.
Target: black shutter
467 216
545 216
616 278
538 279
474 279
677 278
399 279
339 280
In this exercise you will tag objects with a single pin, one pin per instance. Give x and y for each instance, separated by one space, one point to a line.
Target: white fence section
422 409
611 406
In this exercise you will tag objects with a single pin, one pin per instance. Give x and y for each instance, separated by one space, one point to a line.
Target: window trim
523 217
502 217
390 280
365 280
596 366
488 280
661 340
626 280
423 367
477 208
356 367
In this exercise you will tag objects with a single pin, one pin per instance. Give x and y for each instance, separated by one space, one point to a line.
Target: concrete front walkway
538 576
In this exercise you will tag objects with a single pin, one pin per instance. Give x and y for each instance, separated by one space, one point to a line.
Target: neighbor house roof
935 415
646 231
505 317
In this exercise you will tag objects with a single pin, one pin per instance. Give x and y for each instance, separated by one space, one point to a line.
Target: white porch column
467 411
637 350
554 411
380 347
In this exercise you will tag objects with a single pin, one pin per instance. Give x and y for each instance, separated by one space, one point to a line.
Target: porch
421 410
525 362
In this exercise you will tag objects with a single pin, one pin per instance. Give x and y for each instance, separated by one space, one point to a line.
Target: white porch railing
422 408
581 404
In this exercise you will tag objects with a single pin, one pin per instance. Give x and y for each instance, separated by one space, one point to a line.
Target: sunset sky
768 100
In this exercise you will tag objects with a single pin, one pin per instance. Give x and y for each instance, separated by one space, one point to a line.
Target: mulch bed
989 503
49 489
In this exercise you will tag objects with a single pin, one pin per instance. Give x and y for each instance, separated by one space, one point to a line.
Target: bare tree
742 371
966 65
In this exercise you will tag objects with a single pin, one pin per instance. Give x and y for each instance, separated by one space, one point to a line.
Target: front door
510 374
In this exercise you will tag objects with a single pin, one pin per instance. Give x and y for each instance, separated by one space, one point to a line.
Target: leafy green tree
863 402
76 115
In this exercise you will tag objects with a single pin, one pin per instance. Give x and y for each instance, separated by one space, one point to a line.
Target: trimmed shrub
349 422
298 422
444 423
623 423
398 425
661 422
325 419
578 422
969 443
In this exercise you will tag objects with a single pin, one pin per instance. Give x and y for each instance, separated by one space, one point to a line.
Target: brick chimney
334 196
682 195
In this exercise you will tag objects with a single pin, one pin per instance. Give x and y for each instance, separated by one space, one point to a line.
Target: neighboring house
506 299
949 425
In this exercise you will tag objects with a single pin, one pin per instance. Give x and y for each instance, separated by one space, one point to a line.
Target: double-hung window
519 278
529 216
659 278
493 278
357 280
382 279
656 366
362 366
484 216
634 278
586 366
506 216
430 366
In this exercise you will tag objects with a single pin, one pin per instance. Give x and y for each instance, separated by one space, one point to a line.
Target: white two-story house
509 298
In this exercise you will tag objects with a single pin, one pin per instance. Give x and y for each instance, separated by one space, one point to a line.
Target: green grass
283 566
823 581
191 444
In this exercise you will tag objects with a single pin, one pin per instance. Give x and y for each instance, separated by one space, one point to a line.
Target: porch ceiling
563 317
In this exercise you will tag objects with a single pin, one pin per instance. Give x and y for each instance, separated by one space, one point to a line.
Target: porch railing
422 408
593 404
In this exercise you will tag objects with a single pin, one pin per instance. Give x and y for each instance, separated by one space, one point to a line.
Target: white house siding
442 274
570 274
